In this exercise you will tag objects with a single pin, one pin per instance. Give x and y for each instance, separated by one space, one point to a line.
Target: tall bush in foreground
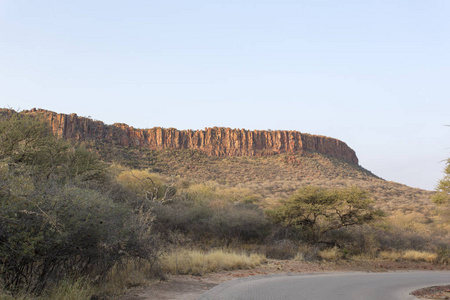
55 219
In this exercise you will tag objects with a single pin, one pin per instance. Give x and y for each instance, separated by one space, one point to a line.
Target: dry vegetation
412 219
331 254
271 178
411 255
141 216
267 180
195 262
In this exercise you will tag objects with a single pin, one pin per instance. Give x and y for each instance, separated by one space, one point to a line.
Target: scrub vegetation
195 262
84 220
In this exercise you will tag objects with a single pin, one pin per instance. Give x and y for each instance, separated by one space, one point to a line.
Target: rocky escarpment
215 141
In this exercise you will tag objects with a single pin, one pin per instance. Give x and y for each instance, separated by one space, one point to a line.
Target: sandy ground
187 287
433 292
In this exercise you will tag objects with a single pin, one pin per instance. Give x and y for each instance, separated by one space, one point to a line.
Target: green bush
316 212
57 218
443 254
205 223
283 249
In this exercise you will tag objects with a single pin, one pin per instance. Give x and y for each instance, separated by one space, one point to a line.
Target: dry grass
198 262
68 289
5 295
306 253
412 221
272 178
127 274
266 180
300 256
420 256
390 255
331 254
410 255
80 289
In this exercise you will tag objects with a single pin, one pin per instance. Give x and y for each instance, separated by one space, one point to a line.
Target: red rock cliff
213 141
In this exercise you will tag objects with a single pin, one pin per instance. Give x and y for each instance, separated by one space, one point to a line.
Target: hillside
268 164
274 177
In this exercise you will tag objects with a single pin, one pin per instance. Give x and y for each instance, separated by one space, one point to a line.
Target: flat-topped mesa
216 141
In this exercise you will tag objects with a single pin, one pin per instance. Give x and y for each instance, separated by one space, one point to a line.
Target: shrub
283 249
357 240
74 231
307 253
318 211
145 185
442 197
128 273
78 289
444 255
56 220
208 223
394 235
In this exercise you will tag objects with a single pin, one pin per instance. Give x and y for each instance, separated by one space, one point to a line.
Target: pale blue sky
374 74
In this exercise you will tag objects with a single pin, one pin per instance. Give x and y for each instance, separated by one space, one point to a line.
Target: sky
374 74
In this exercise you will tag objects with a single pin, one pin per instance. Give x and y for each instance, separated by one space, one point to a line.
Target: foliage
444 254
313 212
282 249
56 218
69 289
271 178
146 185
28 147
64 214
442 196
207 223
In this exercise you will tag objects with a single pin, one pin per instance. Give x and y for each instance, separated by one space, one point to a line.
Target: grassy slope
272 178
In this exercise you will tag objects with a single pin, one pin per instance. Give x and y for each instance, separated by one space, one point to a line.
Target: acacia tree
313 212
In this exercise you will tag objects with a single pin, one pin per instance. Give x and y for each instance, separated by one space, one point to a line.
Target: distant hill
217 141
270 164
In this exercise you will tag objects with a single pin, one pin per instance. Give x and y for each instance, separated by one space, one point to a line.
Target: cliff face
213 141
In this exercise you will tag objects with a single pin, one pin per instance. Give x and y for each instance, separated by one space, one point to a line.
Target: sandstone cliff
213 141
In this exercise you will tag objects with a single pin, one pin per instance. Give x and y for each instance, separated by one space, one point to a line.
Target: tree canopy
315 211
443 188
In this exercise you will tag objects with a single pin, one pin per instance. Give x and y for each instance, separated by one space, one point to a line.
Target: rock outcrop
216 141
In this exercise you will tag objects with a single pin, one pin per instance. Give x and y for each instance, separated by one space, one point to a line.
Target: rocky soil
433 292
